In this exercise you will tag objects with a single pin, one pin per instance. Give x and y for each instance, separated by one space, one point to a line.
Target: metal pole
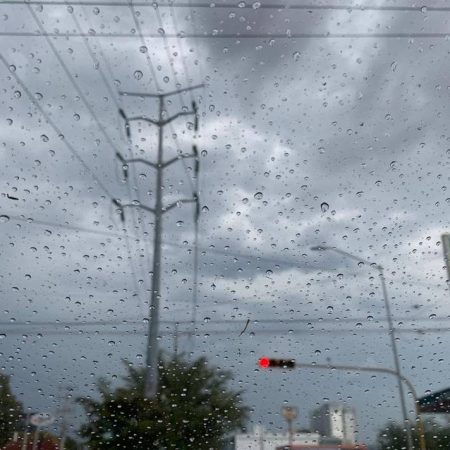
396 359
152 353
410 442
290 432
35 438
25 434
151 372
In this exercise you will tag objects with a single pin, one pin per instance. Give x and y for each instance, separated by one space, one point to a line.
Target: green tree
393 436
194 409
10 410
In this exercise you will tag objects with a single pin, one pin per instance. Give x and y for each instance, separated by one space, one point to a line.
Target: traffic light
266 363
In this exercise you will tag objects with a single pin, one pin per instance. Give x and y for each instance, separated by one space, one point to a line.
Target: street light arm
344 253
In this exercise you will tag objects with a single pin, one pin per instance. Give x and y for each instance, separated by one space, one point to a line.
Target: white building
336 421
261 439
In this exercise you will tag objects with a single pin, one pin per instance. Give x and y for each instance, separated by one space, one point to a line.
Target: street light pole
391 333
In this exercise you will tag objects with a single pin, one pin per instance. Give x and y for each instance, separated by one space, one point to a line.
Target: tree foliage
194 409
10 410
393 436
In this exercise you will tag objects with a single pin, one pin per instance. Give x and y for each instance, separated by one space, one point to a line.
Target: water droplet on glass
143 49
324 206
258 196
296 56
4 218
205 209
138 74
44 138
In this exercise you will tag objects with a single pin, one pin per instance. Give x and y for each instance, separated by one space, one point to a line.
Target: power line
289 262
55 127
96 61
243 5
130 4
113 97
254 322
211 332
71 79
213 250
238 36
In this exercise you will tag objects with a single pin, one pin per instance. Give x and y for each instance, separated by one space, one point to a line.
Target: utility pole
175 339
159 209
63 415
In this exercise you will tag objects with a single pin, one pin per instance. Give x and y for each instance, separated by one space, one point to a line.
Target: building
261 439
335 420
324 447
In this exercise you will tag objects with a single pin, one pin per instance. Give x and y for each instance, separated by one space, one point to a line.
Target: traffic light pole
152 353
400 377
291 364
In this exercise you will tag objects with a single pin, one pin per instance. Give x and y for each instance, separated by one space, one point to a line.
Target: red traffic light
265 363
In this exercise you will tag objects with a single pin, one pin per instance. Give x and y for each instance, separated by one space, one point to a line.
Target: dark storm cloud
360 125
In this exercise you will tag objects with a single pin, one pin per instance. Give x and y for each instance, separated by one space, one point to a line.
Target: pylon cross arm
145 119
175 116
177 158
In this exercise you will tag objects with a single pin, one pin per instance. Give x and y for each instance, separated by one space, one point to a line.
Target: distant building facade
261 439
336 421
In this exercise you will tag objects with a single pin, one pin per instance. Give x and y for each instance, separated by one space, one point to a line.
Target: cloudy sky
305 139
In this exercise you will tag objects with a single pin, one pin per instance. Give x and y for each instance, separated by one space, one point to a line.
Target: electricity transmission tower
158 210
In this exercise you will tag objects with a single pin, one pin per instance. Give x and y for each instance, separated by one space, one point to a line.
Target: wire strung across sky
290 261
210 332
241 5
55 127
238 36
357 321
